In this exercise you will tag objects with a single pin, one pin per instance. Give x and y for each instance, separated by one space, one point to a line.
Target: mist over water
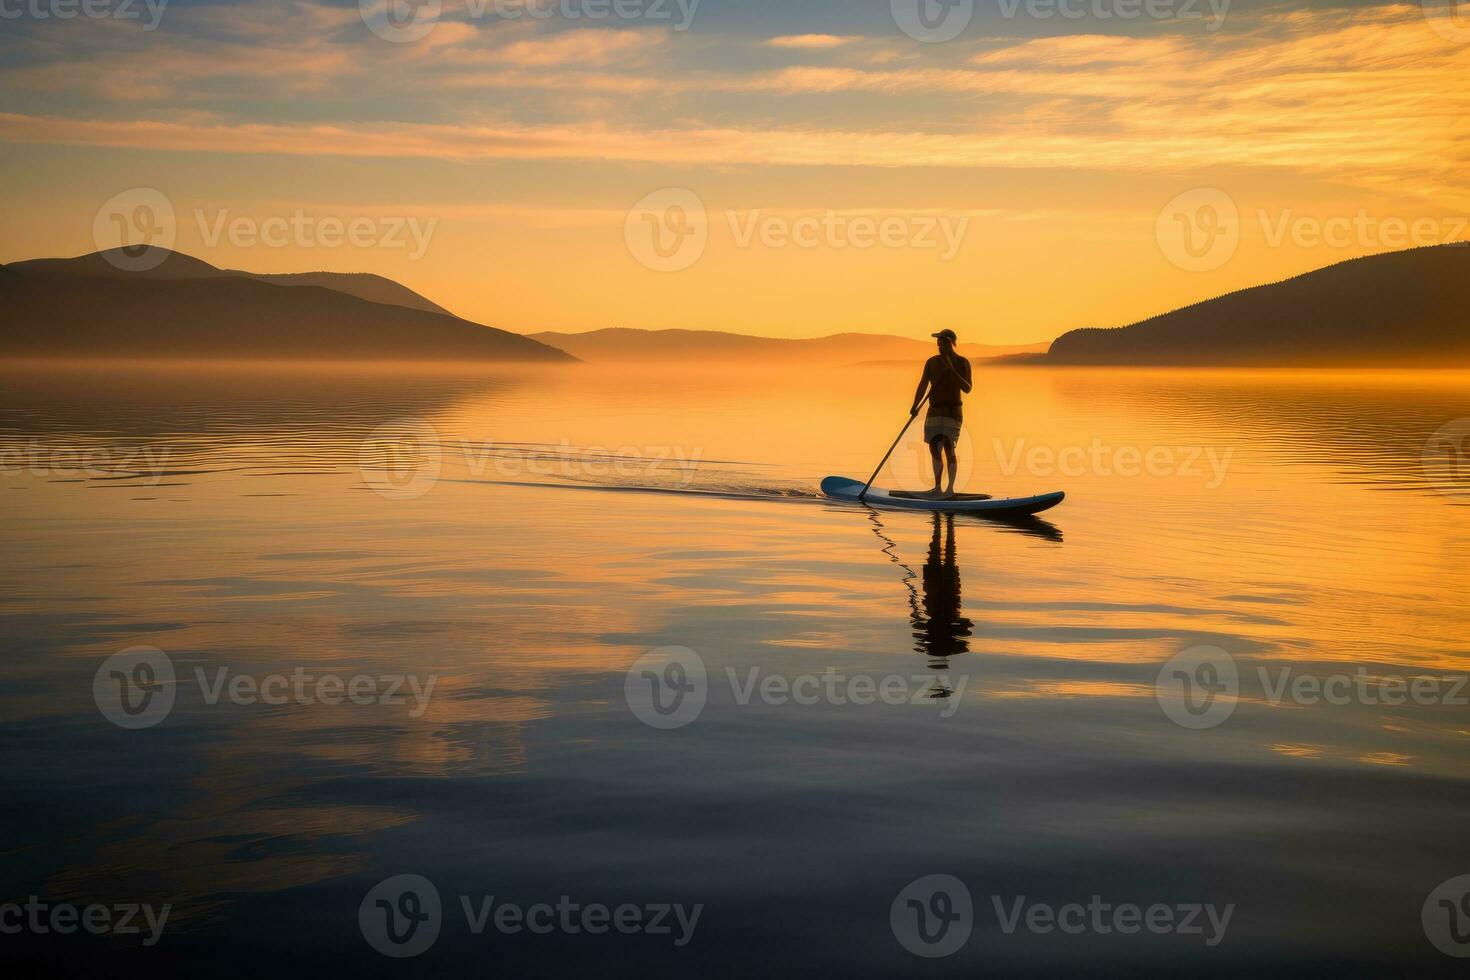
523 537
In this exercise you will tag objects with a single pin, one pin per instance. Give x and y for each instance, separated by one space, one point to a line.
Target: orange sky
805 176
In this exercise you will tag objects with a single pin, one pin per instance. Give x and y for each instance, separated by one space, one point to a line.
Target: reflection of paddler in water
940 631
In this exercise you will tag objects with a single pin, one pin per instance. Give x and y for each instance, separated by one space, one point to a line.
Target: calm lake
591 638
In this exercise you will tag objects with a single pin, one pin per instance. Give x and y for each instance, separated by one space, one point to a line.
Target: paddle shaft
891 448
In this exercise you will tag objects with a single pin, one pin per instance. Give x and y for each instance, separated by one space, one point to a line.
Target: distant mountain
621 344
363 285
177 265
160 263
187 309
1398 309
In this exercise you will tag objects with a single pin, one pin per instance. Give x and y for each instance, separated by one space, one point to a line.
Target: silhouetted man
947 378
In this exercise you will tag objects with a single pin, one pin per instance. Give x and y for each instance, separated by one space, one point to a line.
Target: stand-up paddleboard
841 488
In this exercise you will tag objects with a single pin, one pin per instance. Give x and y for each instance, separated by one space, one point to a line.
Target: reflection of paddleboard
841 488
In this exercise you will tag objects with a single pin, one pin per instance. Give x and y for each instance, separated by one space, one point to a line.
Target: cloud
1370 97
809 41
587 48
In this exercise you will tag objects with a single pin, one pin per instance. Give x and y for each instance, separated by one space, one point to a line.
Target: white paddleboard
842 488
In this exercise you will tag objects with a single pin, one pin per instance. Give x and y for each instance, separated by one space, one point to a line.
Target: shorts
941 425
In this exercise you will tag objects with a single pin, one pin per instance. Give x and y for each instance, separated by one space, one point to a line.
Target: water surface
524 537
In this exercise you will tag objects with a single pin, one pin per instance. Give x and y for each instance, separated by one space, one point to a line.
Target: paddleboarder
947 378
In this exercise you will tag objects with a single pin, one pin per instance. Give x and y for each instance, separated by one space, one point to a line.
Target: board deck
843 488
928 495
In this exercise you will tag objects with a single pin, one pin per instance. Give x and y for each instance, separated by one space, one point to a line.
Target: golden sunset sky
1060 153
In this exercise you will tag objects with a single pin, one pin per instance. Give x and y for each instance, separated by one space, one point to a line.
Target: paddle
891 448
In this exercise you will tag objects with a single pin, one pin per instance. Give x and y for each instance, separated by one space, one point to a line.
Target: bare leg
938 464
954 469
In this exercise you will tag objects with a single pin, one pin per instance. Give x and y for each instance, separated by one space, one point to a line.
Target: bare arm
962 373
919 391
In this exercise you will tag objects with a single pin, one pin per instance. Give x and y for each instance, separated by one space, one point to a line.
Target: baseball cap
947 334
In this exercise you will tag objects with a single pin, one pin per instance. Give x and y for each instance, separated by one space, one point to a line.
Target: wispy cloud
586 48
810 41
1370 96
